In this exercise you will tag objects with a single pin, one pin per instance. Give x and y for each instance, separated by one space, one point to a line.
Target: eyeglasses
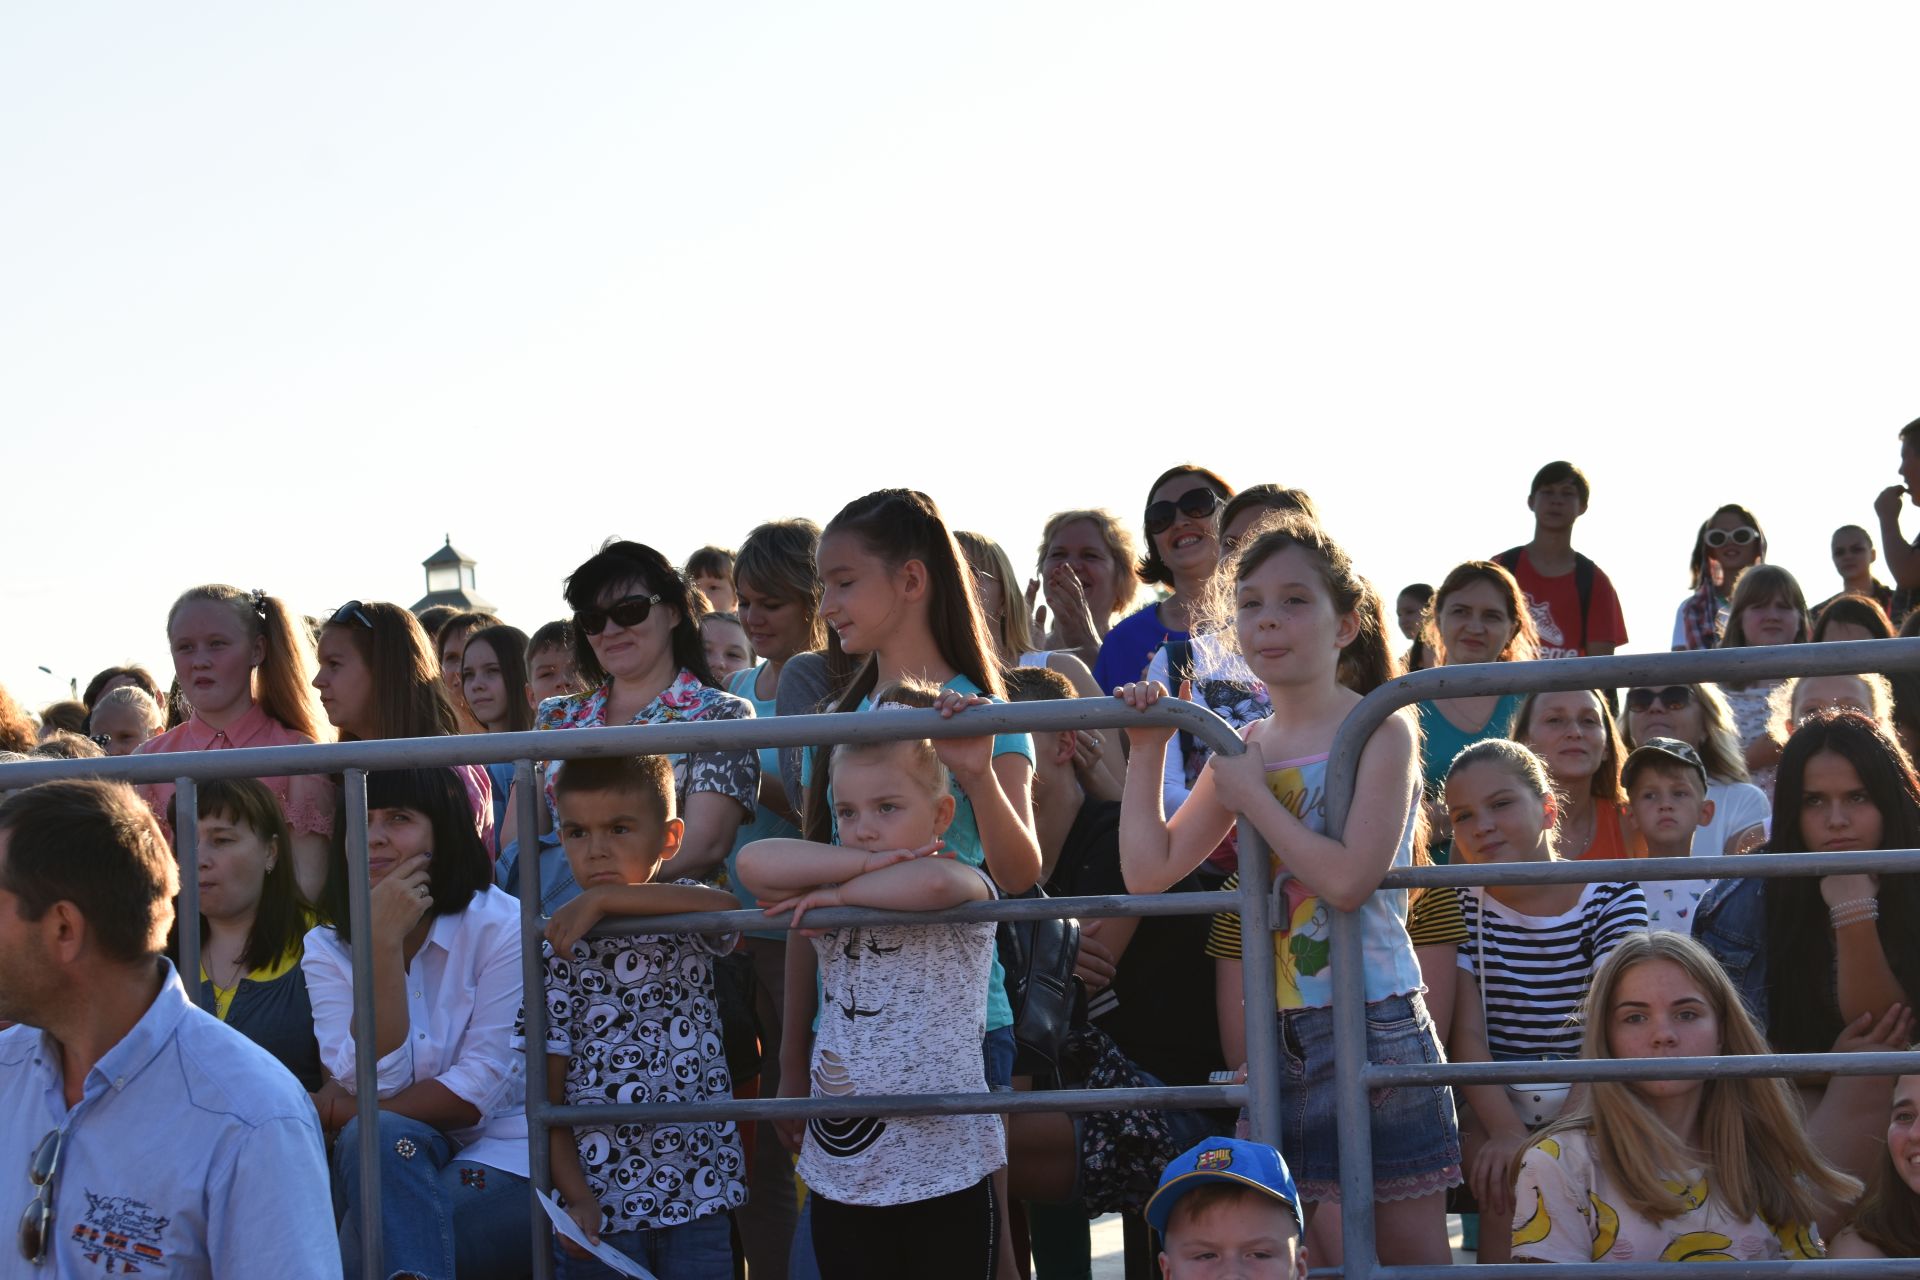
630 611
1674 697
1717 538
351 611
1197 503
36 1224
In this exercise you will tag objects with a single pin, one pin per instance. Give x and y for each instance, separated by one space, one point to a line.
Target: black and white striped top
1538 967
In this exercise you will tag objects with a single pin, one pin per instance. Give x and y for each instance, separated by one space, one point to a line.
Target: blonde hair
1120 545
130 695
921 759
280 682
1719 746
1784 711
1012 628
1754 1152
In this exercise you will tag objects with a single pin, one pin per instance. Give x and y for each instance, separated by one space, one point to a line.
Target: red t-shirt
1556 611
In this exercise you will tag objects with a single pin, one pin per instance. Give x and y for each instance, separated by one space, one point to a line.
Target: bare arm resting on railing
576 919
795 875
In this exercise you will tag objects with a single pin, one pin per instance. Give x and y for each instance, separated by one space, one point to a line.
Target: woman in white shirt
447 989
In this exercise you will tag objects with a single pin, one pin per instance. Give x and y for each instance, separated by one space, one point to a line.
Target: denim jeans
697 1250
436 1210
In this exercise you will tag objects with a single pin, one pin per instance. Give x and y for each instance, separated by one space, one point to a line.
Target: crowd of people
161 1118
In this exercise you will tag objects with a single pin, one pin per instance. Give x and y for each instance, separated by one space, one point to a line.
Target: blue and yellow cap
1248 1164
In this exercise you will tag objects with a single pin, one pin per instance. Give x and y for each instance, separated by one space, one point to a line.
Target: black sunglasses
1674 697
351 611
1197 503
36 1224
629 611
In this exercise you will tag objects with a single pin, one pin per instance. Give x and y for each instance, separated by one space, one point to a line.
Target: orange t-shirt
1611 839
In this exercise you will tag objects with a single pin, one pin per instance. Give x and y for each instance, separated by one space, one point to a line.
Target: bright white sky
291 291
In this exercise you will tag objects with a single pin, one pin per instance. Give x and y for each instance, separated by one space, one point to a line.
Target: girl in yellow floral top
1673 1170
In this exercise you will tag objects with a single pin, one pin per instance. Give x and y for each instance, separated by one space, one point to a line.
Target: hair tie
259 602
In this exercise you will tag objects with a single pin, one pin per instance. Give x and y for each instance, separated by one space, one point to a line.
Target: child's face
1557 506
1903 1131
863 600
1837 812
1658 1012
881 802
124 727
1496 816
1814 693
453 646
1412 611
726 645
1735 557
1284 618
615 837
1246 1238
480 682
1668 806
212 656
550 674
344 682
718 591
1770 622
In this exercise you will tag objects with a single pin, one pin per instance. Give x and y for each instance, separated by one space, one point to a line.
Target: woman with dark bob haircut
447 989
636 643
1182 523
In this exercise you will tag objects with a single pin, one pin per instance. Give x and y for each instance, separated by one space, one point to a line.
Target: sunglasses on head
351 611
36 1224
1674 697
628 611
1197 503
1738 537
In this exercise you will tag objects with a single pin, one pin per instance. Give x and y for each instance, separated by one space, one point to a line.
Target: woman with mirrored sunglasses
1729 543
637 645
1698 715
1183 549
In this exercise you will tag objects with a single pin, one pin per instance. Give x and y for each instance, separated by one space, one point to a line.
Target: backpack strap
1583 574
1179 668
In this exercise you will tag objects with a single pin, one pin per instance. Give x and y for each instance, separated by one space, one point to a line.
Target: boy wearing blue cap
1228 1209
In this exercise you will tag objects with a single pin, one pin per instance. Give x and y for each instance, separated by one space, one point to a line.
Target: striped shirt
1538 967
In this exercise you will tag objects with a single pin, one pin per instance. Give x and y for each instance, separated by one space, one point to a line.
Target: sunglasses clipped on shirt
1717 538
1197 503
629 611
1674 697
36 1224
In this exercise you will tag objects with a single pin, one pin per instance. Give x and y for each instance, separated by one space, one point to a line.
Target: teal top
765 824
1441 740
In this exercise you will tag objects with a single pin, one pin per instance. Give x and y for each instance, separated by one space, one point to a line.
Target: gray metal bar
1353 1116
1260 1014
1159 904
366 1061
648 739
1821 1269
1886 1063
186 853
533 1003
1160 1097
1599 870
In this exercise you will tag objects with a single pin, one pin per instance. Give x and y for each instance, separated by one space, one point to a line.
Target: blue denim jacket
557 885
1731 922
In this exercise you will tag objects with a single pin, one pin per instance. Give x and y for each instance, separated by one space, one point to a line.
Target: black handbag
1047 999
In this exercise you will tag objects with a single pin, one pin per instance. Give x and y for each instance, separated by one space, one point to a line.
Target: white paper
563 1223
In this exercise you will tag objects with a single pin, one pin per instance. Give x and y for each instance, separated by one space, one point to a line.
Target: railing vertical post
1353 1115
1261 1018
186 852
533 999
366 1076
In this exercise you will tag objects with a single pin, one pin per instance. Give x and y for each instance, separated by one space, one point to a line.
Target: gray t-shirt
902 1010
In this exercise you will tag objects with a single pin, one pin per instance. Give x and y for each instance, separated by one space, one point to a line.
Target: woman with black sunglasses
1183 549
1698 715
1728 544
636 643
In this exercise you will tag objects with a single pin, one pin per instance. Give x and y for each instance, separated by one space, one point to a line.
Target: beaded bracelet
1862 911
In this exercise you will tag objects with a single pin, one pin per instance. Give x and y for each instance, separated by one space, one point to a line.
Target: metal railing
1253 901
1360 1256
353 760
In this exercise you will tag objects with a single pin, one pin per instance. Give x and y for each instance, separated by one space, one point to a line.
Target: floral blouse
735 774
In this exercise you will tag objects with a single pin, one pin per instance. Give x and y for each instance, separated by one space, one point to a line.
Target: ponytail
280 683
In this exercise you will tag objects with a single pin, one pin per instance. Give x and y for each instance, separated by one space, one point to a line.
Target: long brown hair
1888 1218
1523 641
1754 1152
895 526
409 698
1605 785
280 681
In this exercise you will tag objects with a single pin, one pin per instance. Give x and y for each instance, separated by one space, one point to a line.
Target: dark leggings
950 1237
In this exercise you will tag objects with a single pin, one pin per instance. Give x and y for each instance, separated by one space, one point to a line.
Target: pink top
306 799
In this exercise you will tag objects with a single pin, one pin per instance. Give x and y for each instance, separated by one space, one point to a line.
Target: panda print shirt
636 1019
902 1010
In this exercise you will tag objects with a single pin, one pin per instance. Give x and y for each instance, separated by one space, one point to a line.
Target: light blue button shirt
191 1153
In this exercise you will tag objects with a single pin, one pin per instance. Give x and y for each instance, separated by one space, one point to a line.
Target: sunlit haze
291 292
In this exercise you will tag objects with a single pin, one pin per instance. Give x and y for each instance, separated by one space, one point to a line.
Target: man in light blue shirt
153 1137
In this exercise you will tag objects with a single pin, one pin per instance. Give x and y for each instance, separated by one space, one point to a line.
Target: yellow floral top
1566 1209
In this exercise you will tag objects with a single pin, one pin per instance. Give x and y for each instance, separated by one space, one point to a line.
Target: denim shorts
998 1050
1416 1140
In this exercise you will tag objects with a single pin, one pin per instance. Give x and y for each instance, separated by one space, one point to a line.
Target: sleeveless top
764 824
